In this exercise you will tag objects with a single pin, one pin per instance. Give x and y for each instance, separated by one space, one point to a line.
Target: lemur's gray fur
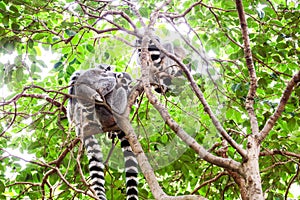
96 94
96 91
163 69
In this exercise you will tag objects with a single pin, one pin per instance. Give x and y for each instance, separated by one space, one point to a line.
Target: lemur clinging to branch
96 94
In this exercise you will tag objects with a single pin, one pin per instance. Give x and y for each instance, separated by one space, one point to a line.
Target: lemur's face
123 80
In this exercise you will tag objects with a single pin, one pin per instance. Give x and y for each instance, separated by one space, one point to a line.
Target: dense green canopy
43 42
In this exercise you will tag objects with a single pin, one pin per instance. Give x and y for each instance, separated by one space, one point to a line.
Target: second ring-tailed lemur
95 93
163 69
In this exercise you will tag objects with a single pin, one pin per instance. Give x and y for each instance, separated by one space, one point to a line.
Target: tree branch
283 101
202 99
251 70
194 86
275 165
50 172
158 193
291 182
279 152
124 124
58 161
215 178
222 162
183 14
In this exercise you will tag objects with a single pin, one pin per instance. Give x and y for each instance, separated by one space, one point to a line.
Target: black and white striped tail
94 153
155 53
131 168
95 165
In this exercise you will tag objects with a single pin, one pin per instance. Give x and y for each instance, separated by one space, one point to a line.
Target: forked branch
191 142
202 99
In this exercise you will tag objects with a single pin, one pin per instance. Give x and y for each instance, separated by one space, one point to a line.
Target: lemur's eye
119 75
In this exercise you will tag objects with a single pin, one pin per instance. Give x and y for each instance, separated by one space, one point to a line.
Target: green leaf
42 63
39 36
19 74
281 45
144 12
30 43
34 68
57 65
2 187
10 45
37 50
14 9
164 138
66 50
2 6
15 26
90 48
276 22
70 70
70 32
262 51
292 124
32 57
5 21
276 58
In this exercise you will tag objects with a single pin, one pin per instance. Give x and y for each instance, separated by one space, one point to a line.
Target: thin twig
216 177
291 182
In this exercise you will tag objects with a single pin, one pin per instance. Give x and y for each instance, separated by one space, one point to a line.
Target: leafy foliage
83 33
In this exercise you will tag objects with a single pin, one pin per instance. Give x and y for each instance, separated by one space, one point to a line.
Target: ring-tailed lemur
164 69
95 92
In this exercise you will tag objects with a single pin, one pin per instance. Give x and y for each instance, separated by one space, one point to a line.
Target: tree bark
251 171
250 165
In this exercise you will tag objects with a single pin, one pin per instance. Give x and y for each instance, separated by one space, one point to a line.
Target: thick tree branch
251 69
283 101
251 166
124 124
222 162
202 99
194 86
